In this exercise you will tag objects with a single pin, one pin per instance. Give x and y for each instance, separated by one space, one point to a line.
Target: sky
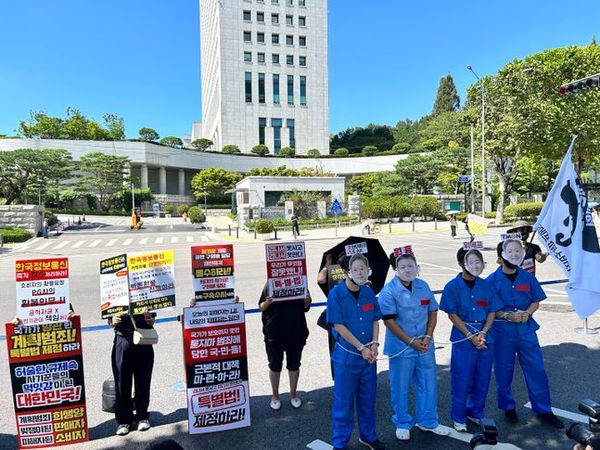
140 59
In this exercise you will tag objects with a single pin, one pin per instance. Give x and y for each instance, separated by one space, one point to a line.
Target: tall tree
446 99
104 175
214 181
148 134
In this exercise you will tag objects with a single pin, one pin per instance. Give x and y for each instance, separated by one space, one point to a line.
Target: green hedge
528 210
401 206
264 226
14 235
282 223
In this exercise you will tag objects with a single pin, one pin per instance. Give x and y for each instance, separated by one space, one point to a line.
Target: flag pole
585 329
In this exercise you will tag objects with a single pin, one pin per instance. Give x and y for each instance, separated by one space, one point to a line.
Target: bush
313 152
50 218
202 144
14 235
527 210
369 150
260 150
264 226
426 207
182 209
168 209
401 147
231 148
196 215
341 151
287 152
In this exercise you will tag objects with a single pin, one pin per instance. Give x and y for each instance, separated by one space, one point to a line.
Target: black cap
460 254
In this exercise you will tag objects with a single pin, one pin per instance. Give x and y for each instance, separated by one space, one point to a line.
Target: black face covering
524 236
508 264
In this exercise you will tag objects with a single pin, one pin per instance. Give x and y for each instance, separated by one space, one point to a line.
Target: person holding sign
533 252
131 365
515 330
471 304
353 310
409 313
285 331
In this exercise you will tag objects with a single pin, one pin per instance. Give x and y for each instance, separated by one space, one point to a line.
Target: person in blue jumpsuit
515 332
409 312
354 313
471 303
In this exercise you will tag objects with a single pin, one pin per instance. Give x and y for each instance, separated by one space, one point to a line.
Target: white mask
474 266
407 270
359 273
514 253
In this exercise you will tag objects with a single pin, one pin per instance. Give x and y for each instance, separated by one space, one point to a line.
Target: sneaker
122 430
511 416
551 419
373 445
439 430
461 427
296 402
143 425
402 434
275 404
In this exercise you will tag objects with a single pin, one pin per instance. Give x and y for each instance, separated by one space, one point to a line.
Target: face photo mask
359 273
407 270
473 264
513 253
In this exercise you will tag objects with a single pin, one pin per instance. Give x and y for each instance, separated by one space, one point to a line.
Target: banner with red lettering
212 272
214 345
286 271
42 290
46 371
114 286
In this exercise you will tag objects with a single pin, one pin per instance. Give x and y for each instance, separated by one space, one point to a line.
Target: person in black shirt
285 330
295 226
131 364
533 252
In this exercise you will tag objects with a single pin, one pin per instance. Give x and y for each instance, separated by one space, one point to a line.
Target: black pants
296 229
131 364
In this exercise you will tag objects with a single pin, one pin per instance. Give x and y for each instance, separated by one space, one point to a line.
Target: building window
301 2
290 89
248 56
260 57
289 19
303 91
260 17
261 88
275 58
260 38
289 59
276 89
275 19
301 61
247 36
289 39
302 21
247 16
276 124
302 41
274 2
289 2
290 123
275 39
262 124
248 87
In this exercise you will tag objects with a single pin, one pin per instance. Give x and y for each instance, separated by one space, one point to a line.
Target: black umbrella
378 261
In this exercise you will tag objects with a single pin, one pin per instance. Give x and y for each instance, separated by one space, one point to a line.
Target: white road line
111 242
174 240
44 245
453 269
78 244
566 414
189 238
319 445
95 243
127 241
204 238
143 241
158 240
61 245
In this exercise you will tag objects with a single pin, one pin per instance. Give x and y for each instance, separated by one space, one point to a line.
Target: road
572 359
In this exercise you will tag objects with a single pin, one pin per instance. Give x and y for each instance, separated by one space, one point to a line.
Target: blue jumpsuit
354 377
519 339
410 309
470 368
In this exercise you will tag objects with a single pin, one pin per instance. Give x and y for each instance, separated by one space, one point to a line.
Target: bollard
255 233
435 221
229 227
412 219
1 240
275 233
390 224
237 232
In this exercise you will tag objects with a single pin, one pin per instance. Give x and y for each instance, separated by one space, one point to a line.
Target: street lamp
205 194
470 69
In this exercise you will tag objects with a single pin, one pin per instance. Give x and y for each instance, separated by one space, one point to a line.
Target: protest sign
46 371
114 286
212 272
473 245
151 281
477 224
214 344
42 290
286 271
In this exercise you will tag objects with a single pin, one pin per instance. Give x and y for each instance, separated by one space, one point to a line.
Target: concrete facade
30 217
248 48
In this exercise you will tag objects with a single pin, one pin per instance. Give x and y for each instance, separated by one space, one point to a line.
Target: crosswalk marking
159 240
204 238
189 238
143 241
44 245
565 414
78 244
127 241
174 240
95 243
111 243
61 245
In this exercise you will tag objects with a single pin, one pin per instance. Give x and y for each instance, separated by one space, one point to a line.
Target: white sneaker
143 425
462 427
439 430
122 430
275 405
296 402
402 434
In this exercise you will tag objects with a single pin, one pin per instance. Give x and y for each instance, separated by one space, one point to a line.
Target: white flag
566 229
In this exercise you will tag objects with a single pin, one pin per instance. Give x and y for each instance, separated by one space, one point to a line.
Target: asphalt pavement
572 359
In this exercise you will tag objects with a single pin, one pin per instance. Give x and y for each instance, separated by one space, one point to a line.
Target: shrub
313 152
369 150
181 209
425 207
14 235
196 215
202 144
523 210
171 141
401 147
341 151
264 226
260 150
50 218
168 209
231 148
287 152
